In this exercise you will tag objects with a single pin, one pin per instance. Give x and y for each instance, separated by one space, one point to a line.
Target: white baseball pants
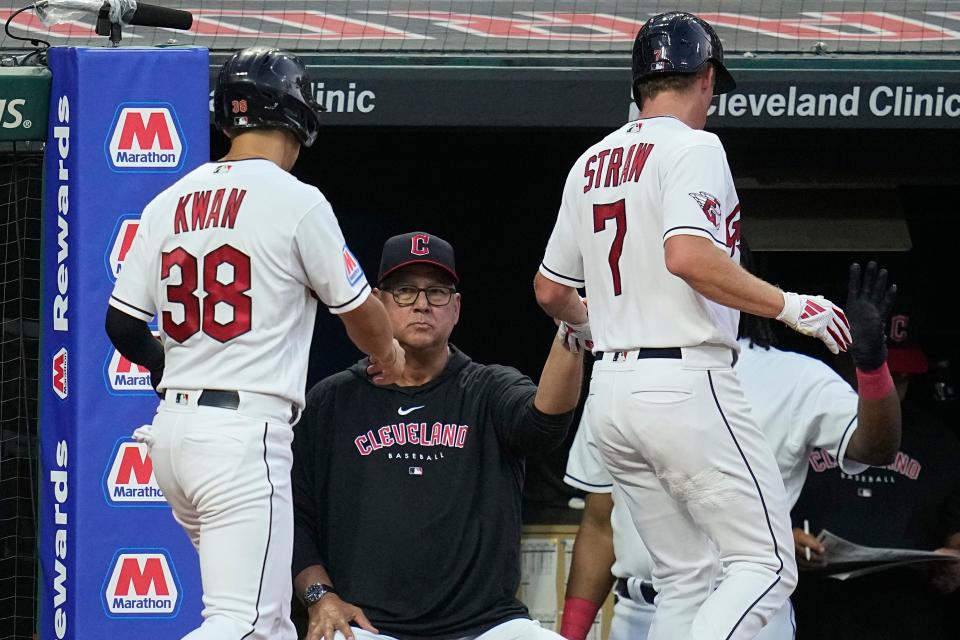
678 437
226 474
519 629
632 620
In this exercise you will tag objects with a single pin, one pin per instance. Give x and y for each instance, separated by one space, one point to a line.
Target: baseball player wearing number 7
799 403
649 224
233 258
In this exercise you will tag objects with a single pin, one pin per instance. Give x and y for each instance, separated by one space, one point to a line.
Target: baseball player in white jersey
649 224
232 259
799 403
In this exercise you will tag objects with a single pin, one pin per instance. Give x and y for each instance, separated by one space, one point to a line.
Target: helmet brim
723 81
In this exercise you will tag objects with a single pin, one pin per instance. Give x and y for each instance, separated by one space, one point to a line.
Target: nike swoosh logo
401 411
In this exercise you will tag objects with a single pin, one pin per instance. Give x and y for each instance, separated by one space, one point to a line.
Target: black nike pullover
410 496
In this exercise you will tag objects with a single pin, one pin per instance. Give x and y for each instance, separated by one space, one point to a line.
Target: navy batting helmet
678 43
266 88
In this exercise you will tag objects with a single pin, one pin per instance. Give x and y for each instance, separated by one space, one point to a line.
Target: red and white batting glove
575 337
817 317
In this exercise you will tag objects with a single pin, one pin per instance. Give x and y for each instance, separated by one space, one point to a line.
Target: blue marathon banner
124 125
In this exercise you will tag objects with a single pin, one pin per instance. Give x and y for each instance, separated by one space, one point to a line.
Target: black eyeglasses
406 294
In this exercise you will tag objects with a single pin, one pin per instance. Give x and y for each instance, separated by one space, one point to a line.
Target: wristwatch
315 592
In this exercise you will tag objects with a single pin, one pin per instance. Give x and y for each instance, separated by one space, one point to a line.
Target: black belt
672 353
219 399
230 400
646 590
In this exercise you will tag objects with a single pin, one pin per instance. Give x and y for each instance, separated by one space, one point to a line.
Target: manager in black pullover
407 497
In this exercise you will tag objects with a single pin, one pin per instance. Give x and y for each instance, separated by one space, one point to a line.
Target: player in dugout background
649 224
799 403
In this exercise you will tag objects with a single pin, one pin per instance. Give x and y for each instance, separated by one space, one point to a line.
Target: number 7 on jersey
616 211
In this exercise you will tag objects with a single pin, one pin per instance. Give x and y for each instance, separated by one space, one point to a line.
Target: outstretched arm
877 438
709 271
370 330
560 381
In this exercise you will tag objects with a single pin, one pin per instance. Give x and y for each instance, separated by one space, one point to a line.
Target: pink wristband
873 385
578 617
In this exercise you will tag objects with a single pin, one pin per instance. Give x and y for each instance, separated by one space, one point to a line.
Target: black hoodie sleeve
520 426
306 481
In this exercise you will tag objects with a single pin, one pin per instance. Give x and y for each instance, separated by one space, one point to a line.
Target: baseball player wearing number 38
233 258
649 224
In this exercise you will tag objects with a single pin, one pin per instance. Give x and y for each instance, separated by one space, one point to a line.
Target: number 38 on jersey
224 308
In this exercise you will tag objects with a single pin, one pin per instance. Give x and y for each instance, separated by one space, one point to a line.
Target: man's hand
946 577
803 541
868 303
388 371
332 614
817 317
575 337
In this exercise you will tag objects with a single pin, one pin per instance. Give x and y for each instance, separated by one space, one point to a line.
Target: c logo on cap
898 328
418 244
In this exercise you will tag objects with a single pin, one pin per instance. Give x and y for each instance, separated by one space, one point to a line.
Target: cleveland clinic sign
881 101
770 93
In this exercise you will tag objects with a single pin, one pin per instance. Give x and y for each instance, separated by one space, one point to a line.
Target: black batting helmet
266 88
678 43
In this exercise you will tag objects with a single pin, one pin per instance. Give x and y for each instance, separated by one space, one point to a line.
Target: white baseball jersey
649 180
233 257
798 402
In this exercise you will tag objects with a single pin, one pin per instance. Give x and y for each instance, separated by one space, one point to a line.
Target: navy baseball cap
417 247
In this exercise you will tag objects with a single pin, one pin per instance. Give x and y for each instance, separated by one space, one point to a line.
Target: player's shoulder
687 137
292 191
296 202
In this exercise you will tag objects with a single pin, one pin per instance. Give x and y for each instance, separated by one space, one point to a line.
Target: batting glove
817 317
575 337
144 435
868 304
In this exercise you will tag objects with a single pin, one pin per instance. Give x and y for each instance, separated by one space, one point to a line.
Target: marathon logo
352 267
120 244
60 373
145 137
129 479
141 583
126 377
